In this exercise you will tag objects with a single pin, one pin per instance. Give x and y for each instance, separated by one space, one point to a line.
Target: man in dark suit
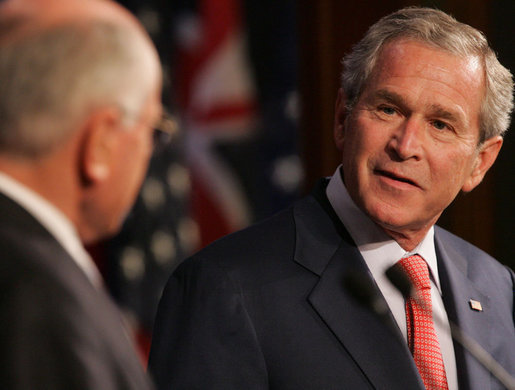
420 116
81 86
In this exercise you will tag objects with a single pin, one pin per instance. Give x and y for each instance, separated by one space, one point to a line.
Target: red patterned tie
422 339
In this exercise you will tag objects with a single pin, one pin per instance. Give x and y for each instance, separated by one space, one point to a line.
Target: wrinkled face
411 141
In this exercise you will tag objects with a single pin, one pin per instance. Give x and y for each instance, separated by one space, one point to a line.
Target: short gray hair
437 29
51 80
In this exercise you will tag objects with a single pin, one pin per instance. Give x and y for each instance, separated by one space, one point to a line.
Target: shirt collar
54 221
379 250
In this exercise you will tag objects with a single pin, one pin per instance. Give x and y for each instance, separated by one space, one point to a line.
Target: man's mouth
396 177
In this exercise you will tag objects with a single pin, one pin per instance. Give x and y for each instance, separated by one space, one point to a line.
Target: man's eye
439 125
387 110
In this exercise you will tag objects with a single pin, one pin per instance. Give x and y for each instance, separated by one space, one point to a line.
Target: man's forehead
402 47
413 58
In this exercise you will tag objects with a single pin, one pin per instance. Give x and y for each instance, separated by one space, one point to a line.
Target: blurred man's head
80 85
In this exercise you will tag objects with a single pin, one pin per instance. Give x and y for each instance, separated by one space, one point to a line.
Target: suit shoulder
248 256
272 236
459 244
37 280
478 261
39 273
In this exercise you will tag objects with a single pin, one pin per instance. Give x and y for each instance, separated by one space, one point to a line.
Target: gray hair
53 78
437 29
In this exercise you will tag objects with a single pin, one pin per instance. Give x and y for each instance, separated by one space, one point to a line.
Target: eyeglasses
165 130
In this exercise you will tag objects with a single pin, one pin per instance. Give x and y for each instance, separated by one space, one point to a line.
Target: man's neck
407 238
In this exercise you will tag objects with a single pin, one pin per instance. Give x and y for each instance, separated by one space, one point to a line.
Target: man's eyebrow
389 96
435 110
441 112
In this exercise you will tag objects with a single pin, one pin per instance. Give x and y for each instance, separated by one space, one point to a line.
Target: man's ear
484 160
340 114
99 144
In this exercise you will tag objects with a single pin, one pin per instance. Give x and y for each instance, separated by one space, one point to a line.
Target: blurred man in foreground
420 117
81 87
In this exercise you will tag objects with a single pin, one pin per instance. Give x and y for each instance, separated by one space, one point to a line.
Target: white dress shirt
54 221
380 252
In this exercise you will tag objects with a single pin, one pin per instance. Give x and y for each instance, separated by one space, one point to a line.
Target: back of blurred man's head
79 79
53 74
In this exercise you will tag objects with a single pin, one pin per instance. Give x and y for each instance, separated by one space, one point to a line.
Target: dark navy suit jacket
266 308
57 331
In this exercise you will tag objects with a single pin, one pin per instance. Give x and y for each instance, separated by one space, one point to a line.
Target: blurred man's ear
99 144
485 158
340 115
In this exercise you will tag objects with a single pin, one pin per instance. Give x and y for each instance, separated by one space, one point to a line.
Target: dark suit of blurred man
81 88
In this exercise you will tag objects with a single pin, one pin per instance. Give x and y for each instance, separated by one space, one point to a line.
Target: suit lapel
458 289
325 248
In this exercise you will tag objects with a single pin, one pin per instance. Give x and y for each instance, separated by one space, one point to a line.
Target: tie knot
416 269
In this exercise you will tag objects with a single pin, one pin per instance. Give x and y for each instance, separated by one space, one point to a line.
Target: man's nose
406 141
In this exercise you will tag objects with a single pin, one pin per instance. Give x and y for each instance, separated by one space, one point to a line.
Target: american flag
230 68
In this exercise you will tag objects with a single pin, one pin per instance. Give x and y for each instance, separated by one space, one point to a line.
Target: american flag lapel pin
475 305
